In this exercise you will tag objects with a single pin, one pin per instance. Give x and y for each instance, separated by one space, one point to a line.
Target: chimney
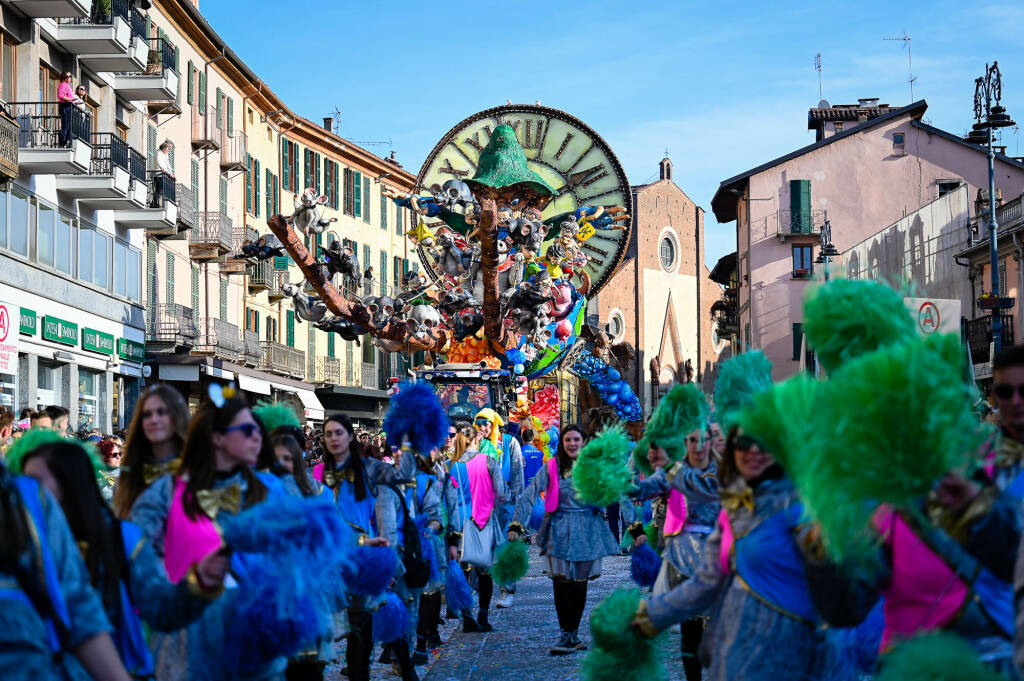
328 124
867 101
665 169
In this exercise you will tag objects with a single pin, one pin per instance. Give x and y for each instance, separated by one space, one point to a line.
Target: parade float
521 215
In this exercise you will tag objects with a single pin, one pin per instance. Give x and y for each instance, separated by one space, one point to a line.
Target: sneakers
578 642
565 645
506 600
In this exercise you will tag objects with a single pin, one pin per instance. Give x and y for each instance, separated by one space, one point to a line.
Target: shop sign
935 315
131 350
60 331
8 338
97 341
28 323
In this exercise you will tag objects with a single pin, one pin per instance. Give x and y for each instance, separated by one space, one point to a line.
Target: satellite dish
823 104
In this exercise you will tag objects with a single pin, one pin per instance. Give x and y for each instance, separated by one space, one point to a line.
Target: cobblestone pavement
517 649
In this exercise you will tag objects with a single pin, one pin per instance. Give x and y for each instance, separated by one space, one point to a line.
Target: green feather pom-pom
601 473
780 419
846 318
652 536
739 379
29 441
511 563
934 657
683 410
619 652
888 425
273 416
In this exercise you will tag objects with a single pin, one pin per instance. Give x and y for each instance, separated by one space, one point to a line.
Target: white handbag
477 545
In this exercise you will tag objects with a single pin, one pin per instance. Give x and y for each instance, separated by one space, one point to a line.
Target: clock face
567 154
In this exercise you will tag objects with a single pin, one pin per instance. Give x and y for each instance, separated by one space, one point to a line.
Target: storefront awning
251 384
312 407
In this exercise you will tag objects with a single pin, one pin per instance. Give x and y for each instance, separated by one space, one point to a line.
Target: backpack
417 567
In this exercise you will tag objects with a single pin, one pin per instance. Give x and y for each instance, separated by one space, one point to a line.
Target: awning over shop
312 407
251 384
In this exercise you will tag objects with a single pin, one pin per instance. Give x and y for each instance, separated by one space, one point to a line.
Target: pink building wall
865 185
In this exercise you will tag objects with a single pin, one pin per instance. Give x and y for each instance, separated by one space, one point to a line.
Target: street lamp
990 114
827 250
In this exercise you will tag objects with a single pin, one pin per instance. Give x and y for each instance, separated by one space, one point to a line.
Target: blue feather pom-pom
417 415
427 547
644 565
390 620
854 650
371 570
457 592
537 515
285 524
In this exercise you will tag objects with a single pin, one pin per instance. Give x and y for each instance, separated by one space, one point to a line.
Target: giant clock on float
565 152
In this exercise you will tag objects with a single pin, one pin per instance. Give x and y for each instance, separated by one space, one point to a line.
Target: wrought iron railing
261 274
221 338
213 228
187 214
165 189
108 151
161 57
327 370
368 375
137 166
40 124
104 12
172 323
979 336
282 359
800 222
8 144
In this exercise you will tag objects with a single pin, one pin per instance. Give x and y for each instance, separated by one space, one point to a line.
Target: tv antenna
371 144
817 67
910 61
336 115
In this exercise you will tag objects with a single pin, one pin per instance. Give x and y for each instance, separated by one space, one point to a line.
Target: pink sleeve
65 93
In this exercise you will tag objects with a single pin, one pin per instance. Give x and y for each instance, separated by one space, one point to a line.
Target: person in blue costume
533 458
354 482
216 478
52 623
430 515
753 580
122 565
513 473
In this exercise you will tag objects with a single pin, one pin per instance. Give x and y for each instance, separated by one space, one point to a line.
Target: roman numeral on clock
449 169
565 143
588 176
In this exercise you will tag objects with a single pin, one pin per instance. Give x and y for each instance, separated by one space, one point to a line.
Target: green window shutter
151 280
290 328
334 183
366 199
281 262
383 273
202 93
190 88
151 147
800 206
366 256
400 218
223 299
219 104
169 292
223 196
277 198
383 212
177 83
397 276
231 115
295 167
256 188
171 157
195 288
285 167
330 345
256 322
269 327
195 185
248 183
270 196
346 195
357 181
798 337
319 185
149 27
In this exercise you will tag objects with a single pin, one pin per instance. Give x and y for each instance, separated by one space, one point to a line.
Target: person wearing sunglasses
683 479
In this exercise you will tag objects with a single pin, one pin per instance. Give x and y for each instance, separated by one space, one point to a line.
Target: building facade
883 165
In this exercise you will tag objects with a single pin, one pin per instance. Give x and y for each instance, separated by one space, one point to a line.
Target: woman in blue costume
353 481
753 579
216 478
430 516
122 565
52 624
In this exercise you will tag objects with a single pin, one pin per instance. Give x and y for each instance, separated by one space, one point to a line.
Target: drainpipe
1020 275
206 178
700 314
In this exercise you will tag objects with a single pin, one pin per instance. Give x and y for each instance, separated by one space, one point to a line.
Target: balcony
232 150
188 216
799 225
46 146
157 84
235 263
326 371
108 184
261 276
211 238
52 9
171 328
979 337
253 351
158 215
220 339
276 290
8 146
109 39
205 136
283 360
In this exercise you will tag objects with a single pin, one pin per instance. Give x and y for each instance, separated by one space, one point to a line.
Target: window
169 293
127 270
366 200
94 256
64 229
898 146
800 207
330 345
947 186
271 195
44 235
803 266
798 340
48 82
616 325
347 201
223 299
8 71
897 138
195 288
397 276
248 183
357 181
219 103
19 223
195 185
290 328
223 196
667 251
384 213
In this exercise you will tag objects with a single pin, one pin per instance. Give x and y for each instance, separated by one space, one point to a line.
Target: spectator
6 426
40 419
79 100
65 108
58 419
111 452
165 173
26 412
368 282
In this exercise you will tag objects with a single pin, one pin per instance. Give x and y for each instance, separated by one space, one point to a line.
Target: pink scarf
318 472
186 541
481 489
675 514
551 494
727 540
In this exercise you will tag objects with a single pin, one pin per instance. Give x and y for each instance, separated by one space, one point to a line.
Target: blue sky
723 86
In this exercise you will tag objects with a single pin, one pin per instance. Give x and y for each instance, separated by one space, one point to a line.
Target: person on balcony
65 108
79 100
165 173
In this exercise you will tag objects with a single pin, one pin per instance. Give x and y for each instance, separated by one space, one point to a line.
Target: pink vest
727 540
481 489
675 514
186 541
924 592
551 494
318 472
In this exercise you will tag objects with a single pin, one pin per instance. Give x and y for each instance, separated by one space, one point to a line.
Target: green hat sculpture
503 164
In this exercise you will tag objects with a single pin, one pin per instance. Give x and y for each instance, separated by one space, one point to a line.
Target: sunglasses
1004 391
480 422
452 434
246 429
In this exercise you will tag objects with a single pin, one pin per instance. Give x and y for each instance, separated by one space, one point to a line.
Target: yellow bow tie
1009 452
212 501
152 471
333 478
734 497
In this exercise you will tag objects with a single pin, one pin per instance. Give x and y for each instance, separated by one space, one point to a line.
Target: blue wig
416 415
371 570
457 591
391 620
644 565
